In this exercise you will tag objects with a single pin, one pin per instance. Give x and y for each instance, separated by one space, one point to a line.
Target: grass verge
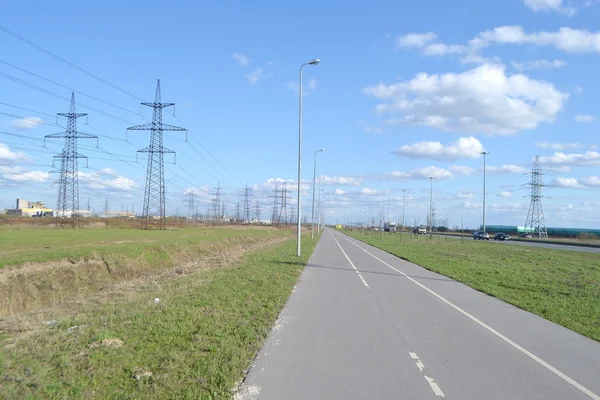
559 285
196 342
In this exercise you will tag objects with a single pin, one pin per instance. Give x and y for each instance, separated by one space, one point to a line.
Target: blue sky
404 91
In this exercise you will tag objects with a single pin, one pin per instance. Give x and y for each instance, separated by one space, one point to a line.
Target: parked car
481 236
501 236
525 235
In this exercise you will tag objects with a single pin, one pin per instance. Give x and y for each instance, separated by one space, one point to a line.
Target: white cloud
584 118
418 173
550 5
18 174
589 158
465 195
416 39
591 181
242 59
339 192
373 129
539 64
567 183
312 83
510 168
368 192
461 170
107 179
341 180
558 168
505 194
254 76
26 123
7 154
565 39
464 147
480 100
558 146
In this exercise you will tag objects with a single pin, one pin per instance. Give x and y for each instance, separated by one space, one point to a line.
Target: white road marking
417 361
434 386
350 261
529 354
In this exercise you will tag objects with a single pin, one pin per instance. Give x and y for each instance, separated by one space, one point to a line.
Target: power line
59 58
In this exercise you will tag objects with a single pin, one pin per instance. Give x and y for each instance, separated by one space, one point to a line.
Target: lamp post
312 229
403 208
299 225
484 153
388 216
431 178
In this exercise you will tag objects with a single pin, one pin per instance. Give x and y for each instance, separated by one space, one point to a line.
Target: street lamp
403 208
484 153
299 225
431 178
388 216
312 229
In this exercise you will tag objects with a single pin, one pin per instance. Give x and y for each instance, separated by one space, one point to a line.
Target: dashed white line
434 386
350 261
529 354
417 361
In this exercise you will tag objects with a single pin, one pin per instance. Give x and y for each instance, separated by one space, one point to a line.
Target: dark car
501 236
525 235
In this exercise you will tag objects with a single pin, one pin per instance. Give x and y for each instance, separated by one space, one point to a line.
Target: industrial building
30 209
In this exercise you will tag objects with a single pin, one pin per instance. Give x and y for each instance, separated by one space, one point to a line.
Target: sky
403 92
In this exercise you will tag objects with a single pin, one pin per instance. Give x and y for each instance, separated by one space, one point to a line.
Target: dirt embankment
29 288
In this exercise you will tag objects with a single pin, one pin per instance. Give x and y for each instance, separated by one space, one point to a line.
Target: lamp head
315 61
322 150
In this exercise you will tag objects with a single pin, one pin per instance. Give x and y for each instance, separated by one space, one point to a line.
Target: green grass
196 341
559 285
18 246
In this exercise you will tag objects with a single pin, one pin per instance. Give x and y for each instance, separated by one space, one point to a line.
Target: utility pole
403 209
388 216
154 215
274 216
238 216
247 203
257 211
106 209
312 229
484 153
431 178
216 201
68 191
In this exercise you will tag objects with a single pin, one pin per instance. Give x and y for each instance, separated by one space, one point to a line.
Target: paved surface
363 324
534 244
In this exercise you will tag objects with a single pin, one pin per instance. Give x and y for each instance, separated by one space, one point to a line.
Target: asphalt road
533 244
363 324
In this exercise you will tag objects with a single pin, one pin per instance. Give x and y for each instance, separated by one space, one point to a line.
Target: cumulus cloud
592 181
461 170
418 173
505 193
341 180
539 64
339 192
567 183
584 118
19 174
107 178
481 100
254 76
465 195
416 39
26 123
464 147
589 158
7 154
240 58
507 168
368 192
550 5
566 39
558 146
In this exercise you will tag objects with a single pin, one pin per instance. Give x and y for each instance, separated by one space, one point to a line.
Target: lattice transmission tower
154 215
67 205
257 211
191 205
216 202
283 214
275 209
247 209
535 222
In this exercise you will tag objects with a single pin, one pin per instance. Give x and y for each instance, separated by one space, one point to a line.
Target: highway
533 244
363 324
